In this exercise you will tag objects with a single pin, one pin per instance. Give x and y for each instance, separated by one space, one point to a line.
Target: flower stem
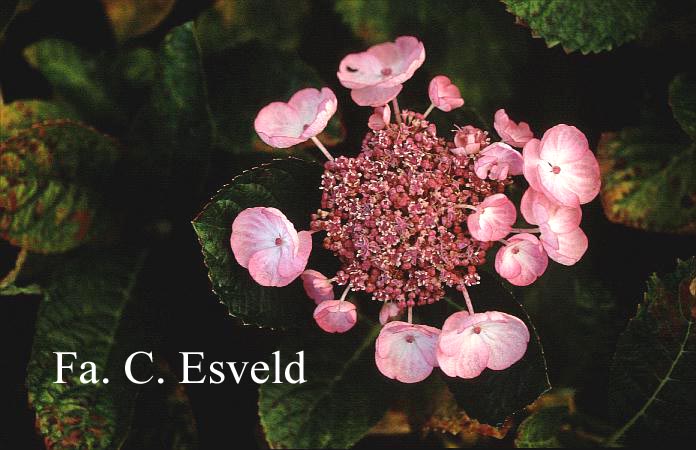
469 306
429 110
410 314
397 111
323 149
503 241
345 292
14 273
525 230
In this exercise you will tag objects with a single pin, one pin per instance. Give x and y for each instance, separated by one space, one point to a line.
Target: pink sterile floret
380 118
469 343
317 286
498 161
283 125
562 166
561 235
376 75
510 132
388 312
493 218
443 94
469 140
522 260
335 316
264 241
406 352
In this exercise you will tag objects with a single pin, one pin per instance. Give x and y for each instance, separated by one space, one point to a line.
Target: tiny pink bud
317 286
379 118
388 312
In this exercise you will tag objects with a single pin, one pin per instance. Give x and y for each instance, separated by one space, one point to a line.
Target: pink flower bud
264 241
379 118
304 116
406 352
335 316
317 286
375 76
510 132
443 94
470 343
497 161
469 140
521 261
562 166
493 218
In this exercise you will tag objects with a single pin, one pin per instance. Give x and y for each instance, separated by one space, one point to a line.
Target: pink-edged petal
264 267
497 161
506 337
570 247
375 96
317 286
406 352
493 218
335 316
522 260
388 312
279 125
256 229
510 132
315 109
530 155
443 94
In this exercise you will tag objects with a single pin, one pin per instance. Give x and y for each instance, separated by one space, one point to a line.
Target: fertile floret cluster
393 214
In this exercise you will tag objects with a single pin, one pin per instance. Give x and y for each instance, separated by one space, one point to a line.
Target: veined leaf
589 26
20 115
654 369
48 179
89 308
541 429
647 180
344 395
291 185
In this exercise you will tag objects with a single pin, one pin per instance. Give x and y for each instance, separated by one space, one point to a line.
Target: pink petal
375 95
307 113
317 286
510 132
460 351
569 248
538 209
506 337
380 118
389 311
522 260
256 229
493 218
335 316
384 65
530 155
497 161
443 94
406 352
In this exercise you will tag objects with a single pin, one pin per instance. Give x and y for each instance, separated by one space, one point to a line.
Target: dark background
595 92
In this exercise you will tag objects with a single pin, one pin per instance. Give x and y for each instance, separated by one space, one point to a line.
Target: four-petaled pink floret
522 260
444 95
406 352
335 316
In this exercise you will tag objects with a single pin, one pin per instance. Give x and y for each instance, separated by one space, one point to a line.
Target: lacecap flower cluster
414 213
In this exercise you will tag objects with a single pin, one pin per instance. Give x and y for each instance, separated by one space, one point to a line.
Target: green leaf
647 180
259 84
682 99
11 290
589 26
20 115
174 130
133 18
50 176
89 309
77 77
654 369
541 429
163 416
229 23
496 395
291 185
344 395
